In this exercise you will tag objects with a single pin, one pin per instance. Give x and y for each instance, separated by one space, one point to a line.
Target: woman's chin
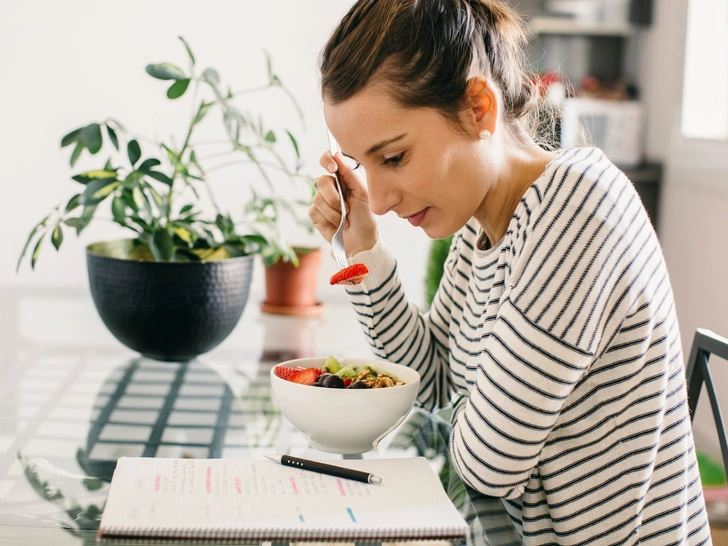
437 232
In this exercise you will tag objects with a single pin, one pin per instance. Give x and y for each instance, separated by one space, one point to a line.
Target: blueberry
333 381
359 385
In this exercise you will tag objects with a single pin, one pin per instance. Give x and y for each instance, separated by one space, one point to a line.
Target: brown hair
424 52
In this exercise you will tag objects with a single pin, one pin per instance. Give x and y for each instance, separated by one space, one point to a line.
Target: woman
555 316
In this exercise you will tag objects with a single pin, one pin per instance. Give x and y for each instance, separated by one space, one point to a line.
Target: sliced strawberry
307 376
286 372
354 274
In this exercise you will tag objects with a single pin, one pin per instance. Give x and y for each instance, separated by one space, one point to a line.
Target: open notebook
257 499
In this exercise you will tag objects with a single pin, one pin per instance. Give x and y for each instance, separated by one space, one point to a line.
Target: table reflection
72 404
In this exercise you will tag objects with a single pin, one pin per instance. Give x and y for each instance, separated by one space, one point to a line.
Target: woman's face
417 165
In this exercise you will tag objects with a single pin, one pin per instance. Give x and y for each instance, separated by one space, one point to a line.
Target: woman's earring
484 134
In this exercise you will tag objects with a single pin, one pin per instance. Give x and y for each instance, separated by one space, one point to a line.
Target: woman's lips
416 219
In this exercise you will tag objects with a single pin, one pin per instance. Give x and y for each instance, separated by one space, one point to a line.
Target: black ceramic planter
168 311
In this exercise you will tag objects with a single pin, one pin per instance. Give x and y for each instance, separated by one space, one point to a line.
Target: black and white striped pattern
565 340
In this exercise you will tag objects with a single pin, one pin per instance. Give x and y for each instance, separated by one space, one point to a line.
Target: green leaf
187 47
162 245
134 151
295 144
92 484
211 76
91 137
70 138
165 71
141 223
89 176
35 230
36 252
183 233
77 153
98 190
178 88
140 201
128 197
149 163
186 208
118 210
270 136
73 202
236 251
132 179
57 237
202 111
268 64
160 176
112 136
158 200
85 218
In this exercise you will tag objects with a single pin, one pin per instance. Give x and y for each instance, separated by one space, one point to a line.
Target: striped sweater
564 341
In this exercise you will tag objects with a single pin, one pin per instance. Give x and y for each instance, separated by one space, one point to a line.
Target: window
705 84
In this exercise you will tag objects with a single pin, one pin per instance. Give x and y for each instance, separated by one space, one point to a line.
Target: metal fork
337 241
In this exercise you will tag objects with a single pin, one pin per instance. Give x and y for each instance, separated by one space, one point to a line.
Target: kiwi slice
332 365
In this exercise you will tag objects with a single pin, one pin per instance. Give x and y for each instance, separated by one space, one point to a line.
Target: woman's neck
520 168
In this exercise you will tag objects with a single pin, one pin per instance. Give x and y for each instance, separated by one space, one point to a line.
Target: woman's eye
351 163
394 160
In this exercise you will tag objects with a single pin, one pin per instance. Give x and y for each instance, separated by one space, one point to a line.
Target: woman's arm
397 331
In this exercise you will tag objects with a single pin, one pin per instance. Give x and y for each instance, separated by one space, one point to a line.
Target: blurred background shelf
566 26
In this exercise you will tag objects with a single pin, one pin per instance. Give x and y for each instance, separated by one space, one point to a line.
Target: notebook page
251 494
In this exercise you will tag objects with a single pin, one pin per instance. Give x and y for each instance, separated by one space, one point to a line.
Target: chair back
698 374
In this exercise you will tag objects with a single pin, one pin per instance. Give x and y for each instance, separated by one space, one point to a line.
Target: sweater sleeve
397 331
523 376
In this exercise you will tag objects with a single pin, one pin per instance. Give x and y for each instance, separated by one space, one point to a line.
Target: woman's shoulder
580 179
578 166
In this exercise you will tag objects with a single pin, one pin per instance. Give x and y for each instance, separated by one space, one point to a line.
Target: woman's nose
382 197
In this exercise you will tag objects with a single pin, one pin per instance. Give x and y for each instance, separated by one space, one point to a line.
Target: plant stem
215 155
209 142
251 90
248 162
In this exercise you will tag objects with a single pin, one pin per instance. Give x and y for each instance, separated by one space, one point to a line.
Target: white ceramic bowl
346 421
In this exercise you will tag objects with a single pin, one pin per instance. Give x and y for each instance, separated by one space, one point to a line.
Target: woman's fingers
327 201
328 194
327 162
324 227
360 231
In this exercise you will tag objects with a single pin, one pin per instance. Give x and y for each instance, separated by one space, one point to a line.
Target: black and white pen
323 468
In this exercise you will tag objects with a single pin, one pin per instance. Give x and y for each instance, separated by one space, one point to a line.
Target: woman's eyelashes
394 161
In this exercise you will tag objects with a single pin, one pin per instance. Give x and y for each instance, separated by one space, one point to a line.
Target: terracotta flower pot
292 290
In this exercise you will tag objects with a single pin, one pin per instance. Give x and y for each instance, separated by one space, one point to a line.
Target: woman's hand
360 230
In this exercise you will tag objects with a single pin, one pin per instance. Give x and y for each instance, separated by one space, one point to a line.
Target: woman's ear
483 104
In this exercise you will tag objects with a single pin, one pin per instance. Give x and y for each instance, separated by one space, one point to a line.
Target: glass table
73 400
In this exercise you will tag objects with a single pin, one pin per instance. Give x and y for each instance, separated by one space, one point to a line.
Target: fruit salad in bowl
369 398
334 375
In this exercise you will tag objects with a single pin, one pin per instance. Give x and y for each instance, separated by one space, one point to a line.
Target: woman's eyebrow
378 146
384 143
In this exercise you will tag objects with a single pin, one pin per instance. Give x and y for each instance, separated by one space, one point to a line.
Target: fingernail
331 167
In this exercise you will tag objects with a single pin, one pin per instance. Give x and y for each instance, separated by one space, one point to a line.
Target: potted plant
177 287
436 258
290 286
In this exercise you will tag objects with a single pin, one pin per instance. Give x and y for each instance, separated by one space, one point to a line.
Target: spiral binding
298 535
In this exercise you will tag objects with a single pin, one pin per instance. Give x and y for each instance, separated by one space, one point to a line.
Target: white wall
694 207
65 64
